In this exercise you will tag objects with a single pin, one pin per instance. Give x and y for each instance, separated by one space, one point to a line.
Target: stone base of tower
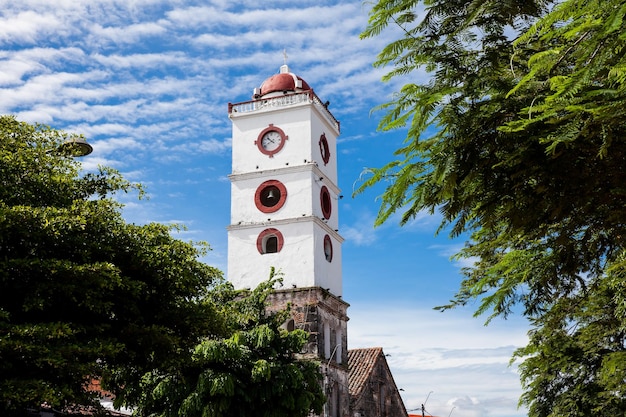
324 316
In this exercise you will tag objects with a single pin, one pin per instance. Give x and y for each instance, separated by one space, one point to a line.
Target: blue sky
148 83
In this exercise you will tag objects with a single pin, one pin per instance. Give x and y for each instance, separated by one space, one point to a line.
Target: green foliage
254 371
85 294
575 362
517 138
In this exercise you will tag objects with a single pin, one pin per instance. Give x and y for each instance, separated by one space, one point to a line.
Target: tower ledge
281 102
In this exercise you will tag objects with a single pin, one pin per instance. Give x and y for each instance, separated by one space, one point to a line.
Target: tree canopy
517 137
86 295
254 371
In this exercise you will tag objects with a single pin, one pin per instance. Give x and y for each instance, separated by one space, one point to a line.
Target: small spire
284 69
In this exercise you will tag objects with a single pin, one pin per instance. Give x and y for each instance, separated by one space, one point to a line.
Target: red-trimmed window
327 206
270 241
270 196
324 148
328 248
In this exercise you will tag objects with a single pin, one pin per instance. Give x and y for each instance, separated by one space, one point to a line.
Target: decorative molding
308 167
304 219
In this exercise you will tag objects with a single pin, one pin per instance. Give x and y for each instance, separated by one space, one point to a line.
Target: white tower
284 198
284 188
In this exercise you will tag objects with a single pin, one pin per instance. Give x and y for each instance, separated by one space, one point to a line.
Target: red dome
285 81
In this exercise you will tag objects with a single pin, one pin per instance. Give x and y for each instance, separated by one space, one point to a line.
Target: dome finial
284 69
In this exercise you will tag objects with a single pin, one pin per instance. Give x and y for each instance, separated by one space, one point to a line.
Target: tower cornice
318 221
307 98
308 167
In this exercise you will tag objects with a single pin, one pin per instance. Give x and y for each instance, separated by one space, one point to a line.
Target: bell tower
284 197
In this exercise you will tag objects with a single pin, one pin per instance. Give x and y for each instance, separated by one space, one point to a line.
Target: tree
86 295
527 156
255 371
574 362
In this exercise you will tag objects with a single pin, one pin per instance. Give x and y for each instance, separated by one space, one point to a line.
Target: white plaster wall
328 274
319 126
303 198
301 259
297 204
302 123
333 221
295 123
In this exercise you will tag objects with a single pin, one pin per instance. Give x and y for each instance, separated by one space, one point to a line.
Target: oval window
326 203
324 148
328 248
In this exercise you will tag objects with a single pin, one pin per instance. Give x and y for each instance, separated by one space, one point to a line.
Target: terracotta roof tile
360 364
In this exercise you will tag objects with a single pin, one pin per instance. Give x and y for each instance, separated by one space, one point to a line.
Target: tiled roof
361 363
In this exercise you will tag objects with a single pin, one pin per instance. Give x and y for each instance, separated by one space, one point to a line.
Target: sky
148 83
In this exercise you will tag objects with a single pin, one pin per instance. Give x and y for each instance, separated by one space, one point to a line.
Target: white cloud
463 362
256 18
451 250
107 146
423 221
146 61
213 146
27 27
362 232
127 34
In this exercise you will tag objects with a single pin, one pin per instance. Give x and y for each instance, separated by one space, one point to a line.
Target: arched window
271 244
339 342
327 341
269 241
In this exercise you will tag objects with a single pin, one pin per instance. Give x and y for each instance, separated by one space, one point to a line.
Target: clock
271 140
324 149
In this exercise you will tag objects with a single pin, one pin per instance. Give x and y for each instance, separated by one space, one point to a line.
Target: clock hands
271 140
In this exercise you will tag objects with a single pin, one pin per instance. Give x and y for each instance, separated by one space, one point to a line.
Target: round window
327 206
270 196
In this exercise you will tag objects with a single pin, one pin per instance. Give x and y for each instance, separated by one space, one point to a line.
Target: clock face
271 140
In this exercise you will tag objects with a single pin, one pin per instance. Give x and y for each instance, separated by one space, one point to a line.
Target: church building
284 214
